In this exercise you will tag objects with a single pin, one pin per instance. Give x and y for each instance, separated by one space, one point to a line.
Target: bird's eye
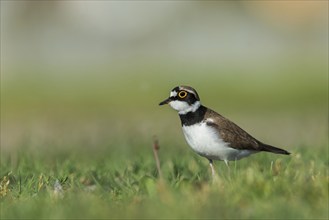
182 94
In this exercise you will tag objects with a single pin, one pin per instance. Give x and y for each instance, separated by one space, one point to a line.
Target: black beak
165 101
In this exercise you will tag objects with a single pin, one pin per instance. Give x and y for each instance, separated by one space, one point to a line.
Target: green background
89 124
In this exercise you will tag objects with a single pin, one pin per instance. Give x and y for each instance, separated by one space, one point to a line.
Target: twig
156 148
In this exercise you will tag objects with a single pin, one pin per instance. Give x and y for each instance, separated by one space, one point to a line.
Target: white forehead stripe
173 94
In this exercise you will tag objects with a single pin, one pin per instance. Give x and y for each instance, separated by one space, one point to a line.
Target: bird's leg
228 167
213 173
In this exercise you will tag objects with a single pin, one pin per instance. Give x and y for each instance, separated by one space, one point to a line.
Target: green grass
90 134
105 185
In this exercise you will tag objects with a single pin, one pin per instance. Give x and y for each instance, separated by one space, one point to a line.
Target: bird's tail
275 150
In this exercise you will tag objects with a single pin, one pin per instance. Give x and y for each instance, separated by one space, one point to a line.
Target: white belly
207 142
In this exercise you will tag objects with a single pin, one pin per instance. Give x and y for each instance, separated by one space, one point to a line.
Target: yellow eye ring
182 94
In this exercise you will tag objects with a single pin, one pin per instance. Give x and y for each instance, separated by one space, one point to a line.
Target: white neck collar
191 108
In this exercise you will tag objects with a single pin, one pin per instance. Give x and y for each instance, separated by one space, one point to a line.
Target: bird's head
183 99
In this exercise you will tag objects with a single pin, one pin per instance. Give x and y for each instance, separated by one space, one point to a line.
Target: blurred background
87 76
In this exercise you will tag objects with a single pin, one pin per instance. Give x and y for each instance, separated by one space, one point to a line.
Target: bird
210 134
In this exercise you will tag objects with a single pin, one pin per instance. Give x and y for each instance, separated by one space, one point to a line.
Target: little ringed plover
210 134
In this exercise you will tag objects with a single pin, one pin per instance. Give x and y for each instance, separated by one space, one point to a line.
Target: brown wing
232 133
